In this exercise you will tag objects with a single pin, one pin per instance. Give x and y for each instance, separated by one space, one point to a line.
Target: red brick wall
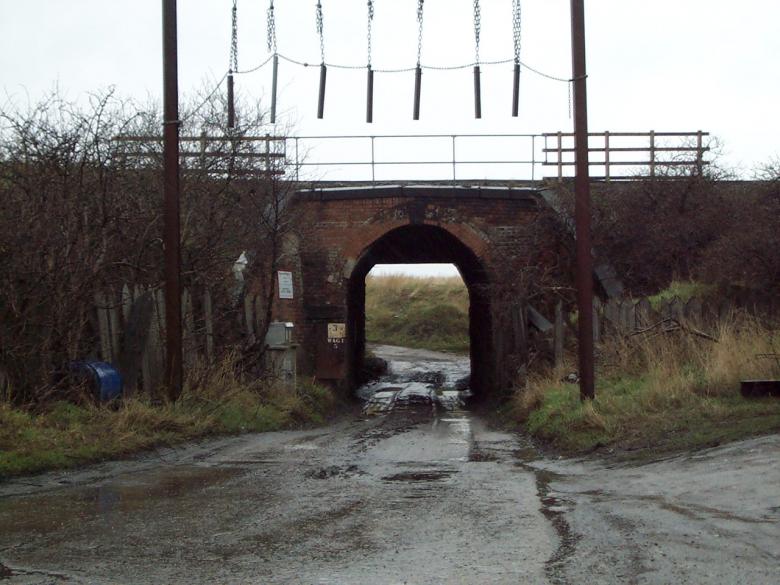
336 230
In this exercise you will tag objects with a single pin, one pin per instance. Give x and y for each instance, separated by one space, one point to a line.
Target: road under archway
412 244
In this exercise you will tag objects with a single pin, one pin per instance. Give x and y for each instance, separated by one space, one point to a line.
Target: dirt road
416 490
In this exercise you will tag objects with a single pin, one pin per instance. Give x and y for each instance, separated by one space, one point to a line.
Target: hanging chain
271 41
320 30
420 4
234 38
477 28
516 28
370 27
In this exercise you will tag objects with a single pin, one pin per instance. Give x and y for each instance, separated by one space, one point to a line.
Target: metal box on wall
282 352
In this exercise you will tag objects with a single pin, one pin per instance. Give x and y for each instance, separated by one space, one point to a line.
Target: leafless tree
80 212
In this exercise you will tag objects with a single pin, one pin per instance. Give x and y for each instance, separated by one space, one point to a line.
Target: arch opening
421 244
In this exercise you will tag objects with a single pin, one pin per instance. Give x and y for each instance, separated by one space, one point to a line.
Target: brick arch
419 243
345 230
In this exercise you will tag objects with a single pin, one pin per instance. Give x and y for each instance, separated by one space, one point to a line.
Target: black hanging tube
417 84
477 94
370 96
273 88
321 103
516 92
231 122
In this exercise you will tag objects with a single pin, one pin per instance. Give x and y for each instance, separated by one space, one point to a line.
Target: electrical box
281 356
279 334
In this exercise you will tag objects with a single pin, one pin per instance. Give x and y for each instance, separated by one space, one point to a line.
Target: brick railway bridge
488 232
493 231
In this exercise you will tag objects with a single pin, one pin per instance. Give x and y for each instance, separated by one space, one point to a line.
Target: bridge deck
466 190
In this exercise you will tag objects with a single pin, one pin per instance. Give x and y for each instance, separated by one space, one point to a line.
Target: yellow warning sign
336 331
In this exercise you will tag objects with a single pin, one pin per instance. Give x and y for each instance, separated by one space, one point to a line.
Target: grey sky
661 64
678 65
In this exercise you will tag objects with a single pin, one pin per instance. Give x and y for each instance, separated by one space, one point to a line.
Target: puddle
421 476
481 456
5 572
302 447
8 573
421 383
333 471
44 513
553 508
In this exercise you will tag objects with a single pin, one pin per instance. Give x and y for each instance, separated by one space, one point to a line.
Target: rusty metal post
171 237
582 203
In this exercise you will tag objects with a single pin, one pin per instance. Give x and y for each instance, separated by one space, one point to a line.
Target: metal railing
449 157
313 158
668 153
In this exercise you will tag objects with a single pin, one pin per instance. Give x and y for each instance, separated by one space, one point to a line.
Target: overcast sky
675 65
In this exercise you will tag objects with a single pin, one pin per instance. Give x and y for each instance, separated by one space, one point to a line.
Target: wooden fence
627 317
130 327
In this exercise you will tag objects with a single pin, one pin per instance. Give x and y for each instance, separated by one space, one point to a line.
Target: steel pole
582 203
171 219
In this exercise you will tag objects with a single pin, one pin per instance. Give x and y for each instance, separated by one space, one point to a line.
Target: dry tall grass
674 382
425 312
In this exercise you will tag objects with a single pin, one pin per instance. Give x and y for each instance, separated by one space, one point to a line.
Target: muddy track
415 490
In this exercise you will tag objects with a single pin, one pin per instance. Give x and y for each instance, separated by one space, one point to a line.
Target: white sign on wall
285 285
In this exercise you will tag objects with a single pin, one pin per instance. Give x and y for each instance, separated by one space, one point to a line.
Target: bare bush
80 212
687 226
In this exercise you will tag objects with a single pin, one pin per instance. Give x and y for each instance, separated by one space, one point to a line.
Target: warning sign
285 285
336 332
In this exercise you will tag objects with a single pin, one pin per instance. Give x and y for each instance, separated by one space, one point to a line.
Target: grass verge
63 435
428 313
683 290
658 395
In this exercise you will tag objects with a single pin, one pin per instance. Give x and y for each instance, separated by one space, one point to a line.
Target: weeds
659 393
214 401
430 313
683 290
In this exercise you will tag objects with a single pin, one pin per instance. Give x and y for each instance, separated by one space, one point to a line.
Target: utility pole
582 203
171 219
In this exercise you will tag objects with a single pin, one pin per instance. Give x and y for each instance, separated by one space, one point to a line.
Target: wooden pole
172 229
582 203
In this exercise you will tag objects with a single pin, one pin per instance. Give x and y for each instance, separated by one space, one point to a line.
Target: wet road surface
416 490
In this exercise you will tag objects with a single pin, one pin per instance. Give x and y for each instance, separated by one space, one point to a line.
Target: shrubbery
708 229
81 213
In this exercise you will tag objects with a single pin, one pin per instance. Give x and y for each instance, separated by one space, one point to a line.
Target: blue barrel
106 378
